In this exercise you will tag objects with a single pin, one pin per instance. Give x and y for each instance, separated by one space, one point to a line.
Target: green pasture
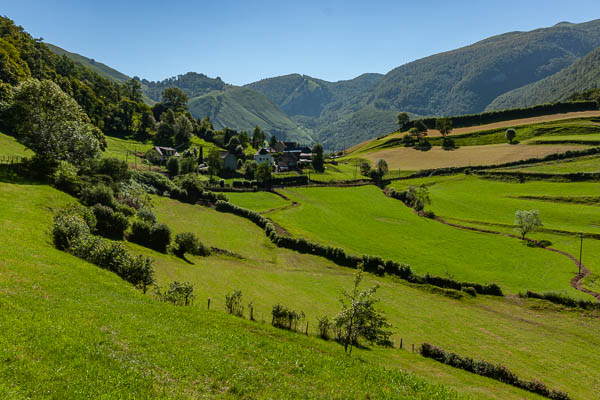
363 221
72 330
491 204
528 336
580 164
257 201
9 147
581 128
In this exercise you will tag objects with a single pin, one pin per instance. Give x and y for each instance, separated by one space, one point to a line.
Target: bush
173 166
114 257
116 169
98 194
233 303
109 223
429 214
470 291
448 143
286 318
125 210
68 229
65 177
562 299
146 214
160 237
178 293
485 368
188 242
153 236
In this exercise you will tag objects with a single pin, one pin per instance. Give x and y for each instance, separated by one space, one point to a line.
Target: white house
263 157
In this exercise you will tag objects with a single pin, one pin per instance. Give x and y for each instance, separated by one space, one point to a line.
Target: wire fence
10 160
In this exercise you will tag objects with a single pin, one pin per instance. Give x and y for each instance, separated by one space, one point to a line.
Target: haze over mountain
502 71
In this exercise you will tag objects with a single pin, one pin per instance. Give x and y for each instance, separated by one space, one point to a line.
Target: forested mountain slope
578 77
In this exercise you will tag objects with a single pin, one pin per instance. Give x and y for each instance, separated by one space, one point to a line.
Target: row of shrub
372 264
286 318
244 184
572 177
504 115
294 180
487 369
71 232
186 188
562 299
534 160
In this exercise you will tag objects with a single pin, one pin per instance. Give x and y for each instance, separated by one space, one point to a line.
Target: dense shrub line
187 188
297 180
152 235
71 233
244 184
572 177
534 160
372 264
504 115
487 369
558 298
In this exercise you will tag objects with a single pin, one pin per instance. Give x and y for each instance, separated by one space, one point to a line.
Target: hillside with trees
578 77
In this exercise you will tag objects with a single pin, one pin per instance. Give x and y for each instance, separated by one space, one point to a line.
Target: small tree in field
444 125
527 221
403 119
359 319
510 134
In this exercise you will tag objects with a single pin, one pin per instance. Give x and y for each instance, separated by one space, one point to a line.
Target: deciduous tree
527 221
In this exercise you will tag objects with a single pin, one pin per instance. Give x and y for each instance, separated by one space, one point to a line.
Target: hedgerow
558 298
487 369
504 115
374 264
71 233
154 236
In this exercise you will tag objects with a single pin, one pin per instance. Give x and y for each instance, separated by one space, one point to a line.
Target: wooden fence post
306 328
208 308
400 343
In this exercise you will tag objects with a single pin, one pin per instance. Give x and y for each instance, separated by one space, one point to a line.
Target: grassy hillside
363 221
578 77
72 330
9 147
483 327
101 69
243 109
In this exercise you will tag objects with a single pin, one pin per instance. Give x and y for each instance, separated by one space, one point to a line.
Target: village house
263 156
161 153
288 161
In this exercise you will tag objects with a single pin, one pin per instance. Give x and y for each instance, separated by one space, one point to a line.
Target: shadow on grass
12 173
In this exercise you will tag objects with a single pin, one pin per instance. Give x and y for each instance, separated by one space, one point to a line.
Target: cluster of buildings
284 156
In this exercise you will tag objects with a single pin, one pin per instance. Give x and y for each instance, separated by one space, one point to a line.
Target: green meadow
363 220
580 164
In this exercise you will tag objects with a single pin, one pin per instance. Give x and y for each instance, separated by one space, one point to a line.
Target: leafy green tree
183 130
244 139
12 68
174 99
263 173
250 167
403 119
132 89
318 161
510 134
382 167
214 161
273 141
258 137
359 318
53 125
527 221
444 125
173 166
365 168
419 130
148 123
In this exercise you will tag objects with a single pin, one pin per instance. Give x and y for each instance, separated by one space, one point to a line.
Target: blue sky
244 41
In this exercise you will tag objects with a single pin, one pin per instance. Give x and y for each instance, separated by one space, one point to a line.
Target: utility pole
580 250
